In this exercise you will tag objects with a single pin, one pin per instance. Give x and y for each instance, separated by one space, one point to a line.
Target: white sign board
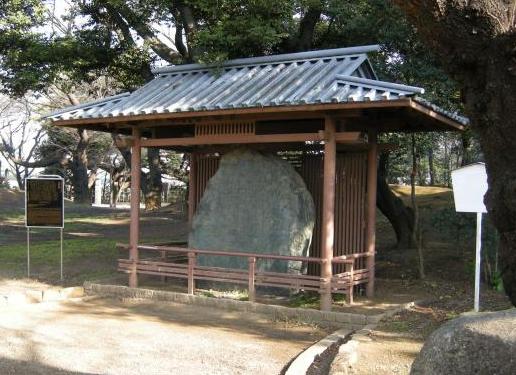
469 187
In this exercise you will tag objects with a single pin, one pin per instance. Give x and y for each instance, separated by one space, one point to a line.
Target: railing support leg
251 288
350 269
163 259
191 280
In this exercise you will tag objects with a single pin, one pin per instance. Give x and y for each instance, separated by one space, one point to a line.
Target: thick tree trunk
81 191
399 215
476 42
152 187
466 148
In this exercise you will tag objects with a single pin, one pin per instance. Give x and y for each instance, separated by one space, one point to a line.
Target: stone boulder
482 343
254 203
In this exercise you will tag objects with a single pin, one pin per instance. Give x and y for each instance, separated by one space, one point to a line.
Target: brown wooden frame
328 282
341 283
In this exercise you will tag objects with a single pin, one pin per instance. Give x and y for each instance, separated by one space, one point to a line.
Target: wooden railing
184 265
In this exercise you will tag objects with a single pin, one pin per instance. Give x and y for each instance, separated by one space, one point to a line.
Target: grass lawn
90 236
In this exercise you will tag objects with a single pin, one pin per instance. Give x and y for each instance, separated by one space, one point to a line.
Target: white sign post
469 187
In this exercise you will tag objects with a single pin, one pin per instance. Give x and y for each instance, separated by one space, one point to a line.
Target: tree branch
147 34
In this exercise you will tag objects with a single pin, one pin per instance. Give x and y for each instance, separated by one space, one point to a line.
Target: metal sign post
44 208
469 188
477 261
28 252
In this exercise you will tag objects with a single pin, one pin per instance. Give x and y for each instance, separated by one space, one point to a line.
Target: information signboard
44 207
469 188
44 202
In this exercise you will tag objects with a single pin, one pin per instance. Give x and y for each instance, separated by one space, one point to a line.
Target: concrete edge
349 350
346 320
41 295
303 361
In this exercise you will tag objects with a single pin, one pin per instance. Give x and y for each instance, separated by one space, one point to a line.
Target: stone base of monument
475 343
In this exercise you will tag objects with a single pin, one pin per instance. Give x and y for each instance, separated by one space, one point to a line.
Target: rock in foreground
254 203
482 343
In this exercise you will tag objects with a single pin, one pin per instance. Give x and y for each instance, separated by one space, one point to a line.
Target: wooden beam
372 156
340 137
347 137
134 229
437 116
328 212
230 139
261 112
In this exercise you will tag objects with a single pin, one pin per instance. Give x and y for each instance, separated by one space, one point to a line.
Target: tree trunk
415 209
81 191
421 175
152 187
399 215
431 166
466 148
475 41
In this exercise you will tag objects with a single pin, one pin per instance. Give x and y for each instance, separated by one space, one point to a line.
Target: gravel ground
107 336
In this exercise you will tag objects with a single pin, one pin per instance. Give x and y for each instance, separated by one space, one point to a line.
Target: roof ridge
378 83
325 53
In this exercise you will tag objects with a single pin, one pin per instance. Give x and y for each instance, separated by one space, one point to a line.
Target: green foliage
305 300
240 28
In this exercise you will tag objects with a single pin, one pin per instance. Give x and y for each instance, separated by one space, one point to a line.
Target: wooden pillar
371 209
191 269
134 229
328 212
192 187
252 271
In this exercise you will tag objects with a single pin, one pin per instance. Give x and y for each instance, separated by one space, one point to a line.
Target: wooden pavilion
322 109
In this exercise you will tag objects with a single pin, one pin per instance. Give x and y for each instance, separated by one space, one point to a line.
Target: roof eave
313 109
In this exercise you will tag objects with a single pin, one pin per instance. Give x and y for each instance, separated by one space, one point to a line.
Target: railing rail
178 249
340 283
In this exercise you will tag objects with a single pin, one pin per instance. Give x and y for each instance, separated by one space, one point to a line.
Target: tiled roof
317 77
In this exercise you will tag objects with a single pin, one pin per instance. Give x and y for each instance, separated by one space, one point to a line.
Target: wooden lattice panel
350 199
224 128
350 203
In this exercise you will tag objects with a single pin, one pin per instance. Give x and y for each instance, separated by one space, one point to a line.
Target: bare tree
19 138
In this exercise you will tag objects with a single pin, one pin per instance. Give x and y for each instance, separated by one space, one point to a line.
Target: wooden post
163 258
192 186
350 267
191 280
371 209
252 268
328 212
134 229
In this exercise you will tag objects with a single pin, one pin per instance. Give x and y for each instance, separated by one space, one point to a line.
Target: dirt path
105 336
394 344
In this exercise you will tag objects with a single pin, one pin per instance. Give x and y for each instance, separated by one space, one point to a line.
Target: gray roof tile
327 76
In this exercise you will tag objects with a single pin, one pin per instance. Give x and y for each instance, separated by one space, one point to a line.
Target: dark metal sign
44 202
